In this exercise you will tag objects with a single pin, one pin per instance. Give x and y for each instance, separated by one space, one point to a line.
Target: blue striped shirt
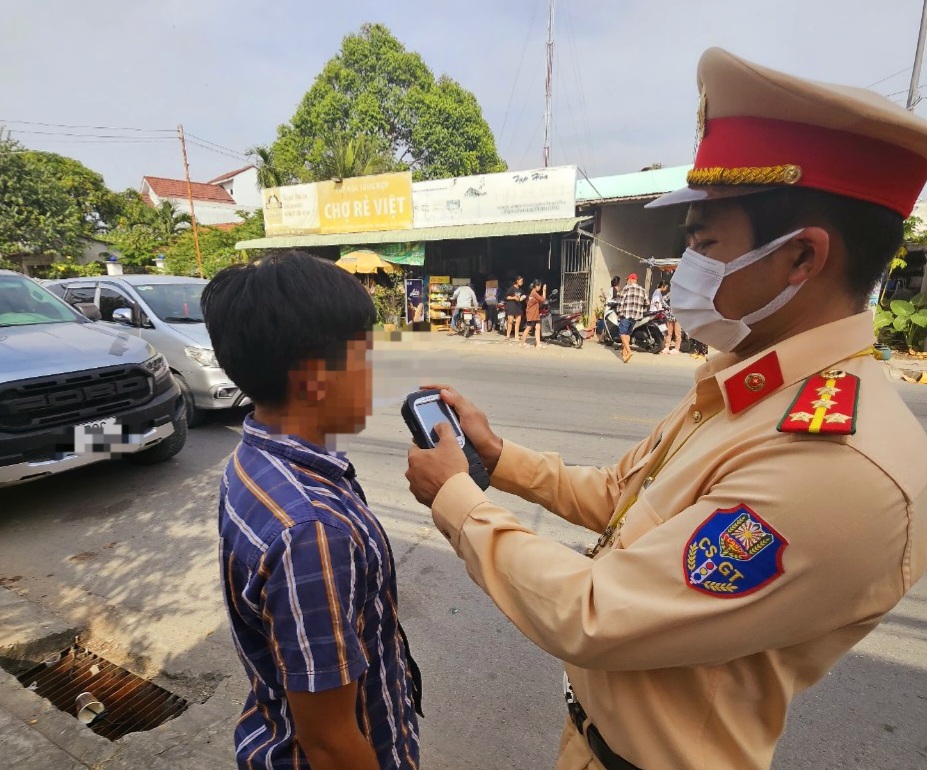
310 586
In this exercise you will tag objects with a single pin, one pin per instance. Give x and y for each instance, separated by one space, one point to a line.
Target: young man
464 298
780 510
632 302
307 571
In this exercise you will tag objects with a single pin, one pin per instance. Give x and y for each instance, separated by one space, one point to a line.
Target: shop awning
451 233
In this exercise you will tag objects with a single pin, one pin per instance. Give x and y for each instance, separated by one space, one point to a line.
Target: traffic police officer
779 512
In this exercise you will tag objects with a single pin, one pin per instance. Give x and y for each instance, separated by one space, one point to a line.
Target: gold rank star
837 417
823 404
801 417
828 391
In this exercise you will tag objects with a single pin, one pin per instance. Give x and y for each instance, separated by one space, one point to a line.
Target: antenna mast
913 95
549 82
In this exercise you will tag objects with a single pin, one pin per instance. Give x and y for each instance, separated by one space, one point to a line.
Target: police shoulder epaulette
826 403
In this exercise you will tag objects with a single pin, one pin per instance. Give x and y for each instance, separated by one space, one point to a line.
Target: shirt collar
745 382
333 466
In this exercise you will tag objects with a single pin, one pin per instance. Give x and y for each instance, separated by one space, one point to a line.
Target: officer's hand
475 426
429 469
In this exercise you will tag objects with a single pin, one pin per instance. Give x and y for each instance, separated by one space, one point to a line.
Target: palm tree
345 157
167 221
268 173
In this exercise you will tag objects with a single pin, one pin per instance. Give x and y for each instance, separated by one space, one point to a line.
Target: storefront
484 229
627 238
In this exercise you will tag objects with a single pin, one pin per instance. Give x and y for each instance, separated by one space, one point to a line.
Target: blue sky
231 70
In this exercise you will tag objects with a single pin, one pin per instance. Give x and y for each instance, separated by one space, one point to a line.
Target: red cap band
835 161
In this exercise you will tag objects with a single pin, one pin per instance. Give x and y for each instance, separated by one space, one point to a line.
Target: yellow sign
366 203
291 210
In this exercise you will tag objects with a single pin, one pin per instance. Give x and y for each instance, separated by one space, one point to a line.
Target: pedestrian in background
632 302
513 300
536 298
606 296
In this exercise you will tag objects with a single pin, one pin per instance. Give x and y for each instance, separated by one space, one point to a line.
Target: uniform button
696 416
648 481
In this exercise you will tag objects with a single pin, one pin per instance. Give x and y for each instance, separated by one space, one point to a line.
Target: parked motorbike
648 333
563 329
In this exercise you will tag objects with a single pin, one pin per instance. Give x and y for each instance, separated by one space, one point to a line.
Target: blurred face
348 394
721 230
519 282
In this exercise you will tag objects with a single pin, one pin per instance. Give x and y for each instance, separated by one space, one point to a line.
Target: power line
93 128
85 135
889 77
232 154
214 144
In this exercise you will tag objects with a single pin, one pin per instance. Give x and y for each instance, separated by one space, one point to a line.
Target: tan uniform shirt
673 675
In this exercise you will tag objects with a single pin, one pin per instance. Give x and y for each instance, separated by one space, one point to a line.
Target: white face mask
695 285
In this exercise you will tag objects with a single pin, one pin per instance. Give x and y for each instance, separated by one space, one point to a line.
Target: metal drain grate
130 704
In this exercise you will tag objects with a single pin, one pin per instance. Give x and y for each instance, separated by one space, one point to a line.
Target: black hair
662 284
537 283
518 278
871 234
616 280
267 316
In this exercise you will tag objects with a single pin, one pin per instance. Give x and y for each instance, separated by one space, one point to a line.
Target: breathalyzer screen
432 413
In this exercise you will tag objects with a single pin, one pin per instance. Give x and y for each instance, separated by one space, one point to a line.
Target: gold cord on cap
788 174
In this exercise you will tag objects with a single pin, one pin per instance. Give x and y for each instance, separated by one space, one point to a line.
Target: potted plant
389 301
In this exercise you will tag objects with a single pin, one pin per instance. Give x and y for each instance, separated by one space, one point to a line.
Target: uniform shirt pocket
641 518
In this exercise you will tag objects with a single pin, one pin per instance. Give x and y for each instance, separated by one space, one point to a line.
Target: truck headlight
203 356
157 365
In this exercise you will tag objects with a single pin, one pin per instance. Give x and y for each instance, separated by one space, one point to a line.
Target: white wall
208 212
245 190
644 232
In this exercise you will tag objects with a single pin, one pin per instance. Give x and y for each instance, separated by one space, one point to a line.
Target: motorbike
466 322
562 329
648 333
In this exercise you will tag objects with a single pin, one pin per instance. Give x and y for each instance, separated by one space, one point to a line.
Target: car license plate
90 436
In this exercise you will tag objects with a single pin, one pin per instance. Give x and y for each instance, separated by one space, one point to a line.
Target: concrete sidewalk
34 735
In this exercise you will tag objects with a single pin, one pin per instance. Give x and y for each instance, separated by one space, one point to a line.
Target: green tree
48 203
375 88
265 161
344 157
217 247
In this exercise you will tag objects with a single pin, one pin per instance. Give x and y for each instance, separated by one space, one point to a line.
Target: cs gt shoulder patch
733 553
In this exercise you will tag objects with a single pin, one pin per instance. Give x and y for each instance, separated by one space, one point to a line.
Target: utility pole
186 171
913 95
549 83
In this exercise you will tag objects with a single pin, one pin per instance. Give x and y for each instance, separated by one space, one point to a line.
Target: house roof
230 174
177 188
641 184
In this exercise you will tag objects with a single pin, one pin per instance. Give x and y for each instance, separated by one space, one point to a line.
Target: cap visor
708 193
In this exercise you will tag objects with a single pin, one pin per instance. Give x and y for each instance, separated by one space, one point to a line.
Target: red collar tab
753 383
826 403
828 159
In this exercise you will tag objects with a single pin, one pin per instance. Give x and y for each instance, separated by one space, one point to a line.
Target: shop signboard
291 210
512 196
366 203
356 205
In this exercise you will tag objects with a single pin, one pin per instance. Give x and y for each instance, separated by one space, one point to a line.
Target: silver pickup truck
74 392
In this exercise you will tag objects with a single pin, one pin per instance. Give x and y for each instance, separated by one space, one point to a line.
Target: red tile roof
146 199
177 188
230 174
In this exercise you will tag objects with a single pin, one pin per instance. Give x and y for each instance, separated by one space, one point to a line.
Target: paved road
130 553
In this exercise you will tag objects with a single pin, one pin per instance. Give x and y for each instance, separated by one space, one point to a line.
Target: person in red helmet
632 304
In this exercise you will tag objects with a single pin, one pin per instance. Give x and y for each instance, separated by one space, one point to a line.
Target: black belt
609 759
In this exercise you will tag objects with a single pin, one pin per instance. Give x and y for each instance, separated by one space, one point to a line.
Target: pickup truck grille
46 402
